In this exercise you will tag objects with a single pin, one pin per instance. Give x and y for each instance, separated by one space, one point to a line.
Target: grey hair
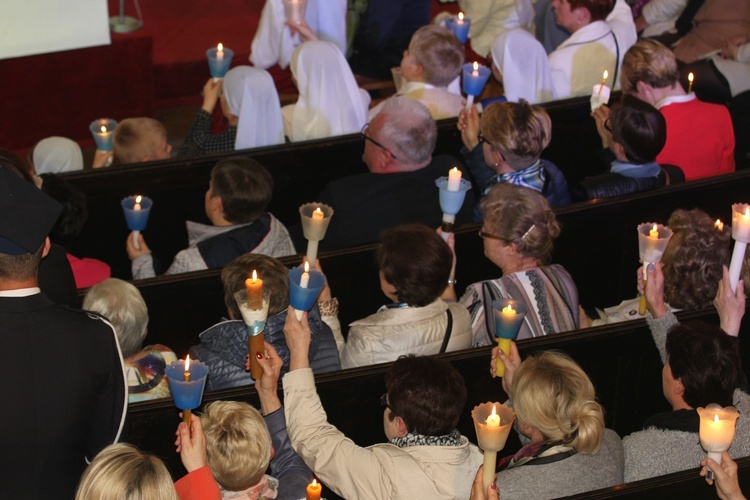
122 304
408 130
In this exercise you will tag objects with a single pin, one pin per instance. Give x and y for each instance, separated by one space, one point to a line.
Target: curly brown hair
693 259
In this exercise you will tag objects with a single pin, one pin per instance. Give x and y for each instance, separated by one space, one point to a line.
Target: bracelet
329 307
453 281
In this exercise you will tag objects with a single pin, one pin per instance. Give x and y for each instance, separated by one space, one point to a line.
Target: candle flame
716 418
315 482
509 310
747 212
654 228
104 129
476 66
187 363
454 170
494 411
307 267
318 211
690 77
460 16
255 275
605 75
220 47
138 198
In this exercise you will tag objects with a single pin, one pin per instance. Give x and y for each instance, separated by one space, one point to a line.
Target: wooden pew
300 172
621 360
598 246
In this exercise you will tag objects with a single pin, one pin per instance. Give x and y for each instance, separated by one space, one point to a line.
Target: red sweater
700 139
198 485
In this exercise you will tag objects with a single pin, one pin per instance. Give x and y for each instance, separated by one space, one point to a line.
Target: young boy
240 446
433 60
238 194
137 140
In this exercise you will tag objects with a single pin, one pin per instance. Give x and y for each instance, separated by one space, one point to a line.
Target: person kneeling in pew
425 457
701 366
238 194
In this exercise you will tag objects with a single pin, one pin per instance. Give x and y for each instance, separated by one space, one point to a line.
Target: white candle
305 278
220 52
741 235
137 205
494 419
475 69
460 18
454 179
719 225
717 426
604 81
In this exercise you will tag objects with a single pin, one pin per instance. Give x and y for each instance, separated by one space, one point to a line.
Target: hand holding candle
652 242
452 192
136 209
253 304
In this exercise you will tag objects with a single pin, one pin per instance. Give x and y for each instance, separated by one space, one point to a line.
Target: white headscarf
273 42
330 103
252 97
55 155
524 65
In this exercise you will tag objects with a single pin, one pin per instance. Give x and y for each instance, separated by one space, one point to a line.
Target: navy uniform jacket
63 392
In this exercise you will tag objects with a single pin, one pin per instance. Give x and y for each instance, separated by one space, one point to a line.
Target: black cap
26 215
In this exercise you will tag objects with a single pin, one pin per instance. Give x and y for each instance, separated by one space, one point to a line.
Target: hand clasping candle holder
102 130
254 309
492 423
219 60
315 219
475 78
187 379
717 431
741 236
137 210
452 194
509 315
304 287
652 241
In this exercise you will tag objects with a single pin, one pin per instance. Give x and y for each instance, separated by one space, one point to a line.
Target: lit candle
741 235
690 81
492 432
719 225
186 378
305 279
460 18
654 232
503 344
604 81
254 288
314 228
717 427
317 214
104 129
475 71
454 179
494 419
137 205
314 490
475 77
220 52
460 27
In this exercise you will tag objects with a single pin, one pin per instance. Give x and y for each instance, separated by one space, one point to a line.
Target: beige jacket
384 336
379 471
440 102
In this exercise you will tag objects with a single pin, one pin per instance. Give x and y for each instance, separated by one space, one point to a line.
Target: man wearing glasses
400 185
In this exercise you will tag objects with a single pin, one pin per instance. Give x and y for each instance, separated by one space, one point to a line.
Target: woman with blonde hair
562 427
518 231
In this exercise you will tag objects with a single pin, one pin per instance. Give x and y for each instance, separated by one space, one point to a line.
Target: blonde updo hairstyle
125 472
518 130
554 395
522 216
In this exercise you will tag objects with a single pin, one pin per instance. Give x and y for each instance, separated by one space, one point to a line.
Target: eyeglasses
483 234
368 138
384 402
481 138
608 125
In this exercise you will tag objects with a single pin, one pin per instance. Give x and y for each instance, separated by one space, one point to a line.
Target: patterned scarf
532 177
452 439
266 489
541 452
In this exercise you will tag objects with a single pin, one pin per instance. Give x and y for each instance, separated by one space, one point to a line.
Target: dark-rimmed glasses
368 138
384 402
483 234
482 139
